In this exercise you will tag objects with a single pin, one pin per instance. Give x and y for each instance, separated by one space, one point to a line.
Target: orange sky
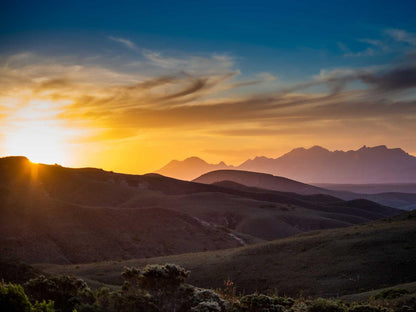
81 114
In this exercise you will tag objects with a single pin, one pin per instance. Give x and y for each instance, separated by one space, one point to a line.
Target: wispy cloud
126 42
400 35
379 44
197 93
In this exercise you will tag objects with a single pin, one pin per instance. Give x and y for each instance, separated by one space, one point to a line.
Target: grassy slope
365 296
326 263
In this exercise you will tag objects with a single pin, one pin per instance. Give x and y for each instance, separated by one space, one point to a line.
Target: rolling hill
327 263
405 201
61 215
366 165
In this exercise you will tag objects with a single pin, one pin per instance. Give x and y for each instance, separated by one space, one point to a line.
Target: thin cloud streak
126 42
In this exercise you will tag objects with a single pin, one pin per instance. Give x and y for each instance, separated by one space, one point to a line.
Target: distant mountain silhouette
189 168
377 164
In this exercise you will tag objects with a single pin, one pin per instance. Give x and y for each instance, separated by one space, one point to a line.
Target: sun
36 133
41 143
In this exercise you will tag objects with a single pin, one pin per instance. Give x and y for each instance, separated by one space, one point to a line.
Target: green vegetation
162 288
14 299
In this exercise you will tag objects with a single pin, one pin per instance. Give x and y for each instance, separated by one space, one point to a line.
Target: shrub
324 305
260 303
284 301
121 301
164 284
207 306
228 292
43 306
13 298
202 296
162 277
66 291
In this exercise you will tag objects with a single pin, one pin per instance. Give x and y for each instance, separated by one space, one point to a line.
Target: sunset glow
39 142
131 98
34 130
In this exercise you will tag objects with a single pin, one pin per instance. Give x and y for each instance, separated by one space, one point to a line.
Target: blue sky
277 36
224 80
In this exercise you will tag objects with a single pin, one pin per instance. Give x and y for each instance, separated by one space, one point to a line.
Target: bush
324 305
207 306
284 301
164 284
13 298
162 277
108 301
66 291
43 306
260 303
203 296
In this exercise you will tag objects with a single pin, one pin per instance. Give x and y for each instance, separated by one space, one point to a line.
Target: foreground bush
260 303
14 299
325 305
163 288
67 292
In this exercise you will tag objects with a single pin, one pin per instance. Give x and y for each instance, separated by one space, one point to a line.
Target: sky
130 85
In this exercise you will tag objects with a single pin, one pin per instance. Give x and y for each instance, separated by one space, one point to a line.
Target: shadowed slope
269 182
326 263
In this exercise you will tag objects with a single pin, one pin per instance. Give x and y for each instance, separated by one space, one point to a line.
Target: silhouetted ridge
238 179
366 165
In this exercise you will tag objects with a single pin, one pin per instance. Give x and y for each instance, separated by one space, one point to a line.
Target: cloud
400 35
399 78
391 78
195 65
128 43
377 44
199 95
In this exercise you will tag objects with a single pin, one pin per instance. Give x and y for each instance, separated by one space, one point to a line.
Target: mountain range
366 165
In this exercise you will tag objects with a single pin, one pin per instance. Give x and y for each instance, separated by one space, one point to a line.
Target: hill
325 263
405 201
63 215
366 165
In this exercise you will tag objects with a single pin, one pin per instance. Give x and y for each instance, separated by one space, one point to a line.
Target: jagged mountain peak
378 164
